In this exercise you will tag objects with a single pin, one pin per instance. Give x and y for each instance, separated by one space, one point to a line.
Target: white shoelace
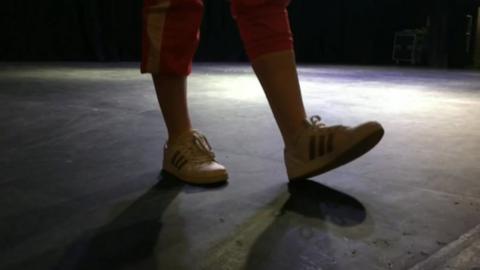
200 151
316 122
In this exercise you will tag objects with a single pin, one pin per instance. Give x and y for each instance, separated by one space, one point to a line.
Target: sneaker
191 159
318 148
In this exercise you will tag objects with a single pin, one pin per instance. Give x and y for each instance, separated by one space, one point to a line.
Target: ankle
291 138
173 137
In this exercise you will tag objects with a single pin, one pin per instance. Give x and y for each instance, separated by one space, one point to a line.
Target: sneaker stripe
330 143
174 158
182 164
321 145
179 161
312 147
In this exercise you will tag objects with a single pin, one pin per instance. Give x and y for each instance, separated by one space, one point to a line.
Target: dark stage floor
81 152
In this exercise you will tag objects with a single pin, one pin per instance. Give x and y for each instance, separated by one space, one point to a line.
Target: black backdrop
335 31
70 30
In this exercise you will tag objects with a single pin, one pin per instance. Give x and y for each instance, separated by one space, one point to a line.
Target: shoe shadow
312 199
130 238
292 241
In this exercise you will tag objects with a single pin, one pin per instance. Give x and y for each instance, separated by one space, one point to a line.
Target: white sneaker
318 148
192 160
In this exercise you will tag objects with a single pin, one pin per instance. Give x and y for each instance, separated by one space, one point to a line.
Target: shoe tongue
187 135
307 123
182 138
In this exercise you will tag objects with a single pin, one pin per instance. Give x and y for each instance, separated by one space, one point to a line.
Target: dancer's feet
191 159
318 148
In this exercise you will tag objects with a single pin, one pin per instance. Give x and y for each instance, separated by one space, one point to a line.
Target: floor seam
449 251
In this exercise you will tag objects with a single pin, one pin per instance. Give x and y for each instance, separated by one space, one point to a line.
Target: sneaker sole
361 148
211 182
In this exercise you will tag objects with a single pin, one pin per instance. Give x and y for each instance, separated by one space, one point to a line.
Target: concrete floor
81 152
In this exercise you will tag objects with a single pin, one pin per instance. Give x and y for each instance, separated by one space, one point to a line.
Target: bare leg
277 74
172 97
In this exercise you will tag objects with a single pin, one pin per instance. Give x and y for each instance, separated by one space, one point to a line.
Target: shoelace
316 122
200 151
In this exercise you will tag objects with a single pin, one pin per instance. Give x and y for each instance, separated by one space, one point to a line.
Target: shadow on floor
311 199
299 238
128 239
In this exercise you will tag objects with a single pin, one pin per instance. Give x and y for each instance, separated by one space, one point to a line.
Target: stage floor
82 146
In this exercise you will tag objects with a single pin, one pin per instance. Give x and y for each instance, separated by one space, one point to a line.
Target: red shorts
171 31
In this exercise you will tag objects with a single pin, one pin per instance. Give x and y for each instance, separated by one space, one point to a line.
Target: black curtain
220 39
71 30
340 31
